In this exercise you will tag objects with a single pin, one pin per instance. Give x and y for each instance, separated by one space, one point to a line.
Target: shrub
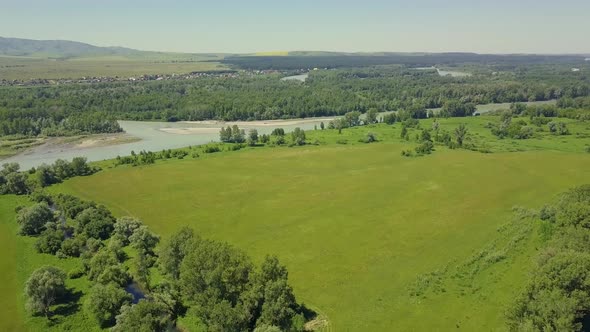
76 273
72 247
235 147
540 121
370 138
211 149
411 123
389 118
425 148
298 136
407 153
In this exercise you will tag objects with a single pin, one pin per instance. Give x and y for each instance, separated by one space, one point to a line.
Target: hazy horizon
501 27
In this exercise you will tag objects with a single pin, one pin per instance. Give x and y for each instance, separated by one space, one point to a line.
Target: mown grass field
373 240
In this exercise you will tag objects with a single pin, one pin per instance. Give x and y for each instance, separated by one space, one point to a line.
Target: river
301 77
154 136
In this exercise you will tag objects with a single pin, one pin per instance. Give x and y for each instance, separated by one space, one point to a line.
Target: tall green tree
174 250
371 116
44 288
104 303
298 136
146 315
460 133
252 137
124 228
33 219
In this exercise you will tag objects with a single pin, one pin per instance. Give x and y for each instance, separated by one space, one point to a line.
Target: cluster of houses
107 79
142 78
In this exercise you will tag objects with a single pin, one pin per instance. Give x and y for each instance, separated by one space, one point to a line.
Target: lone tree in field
44 287
460 133
252 137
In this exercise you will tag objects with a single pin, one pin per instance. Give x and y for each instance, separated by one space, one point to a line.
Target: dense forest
94 108
338 60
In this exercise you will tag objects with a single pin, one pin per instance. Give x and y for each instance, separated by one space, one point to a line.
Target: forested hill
57 48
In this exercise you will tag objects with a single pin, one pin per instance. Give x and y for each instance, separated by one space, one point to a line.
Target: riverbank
148 136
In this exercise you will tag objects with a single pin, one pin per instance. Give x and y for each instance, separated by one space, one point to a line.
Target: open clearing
355 225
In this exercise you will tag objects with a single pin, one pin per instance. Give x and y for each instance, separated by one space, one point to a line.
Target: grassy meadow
373 241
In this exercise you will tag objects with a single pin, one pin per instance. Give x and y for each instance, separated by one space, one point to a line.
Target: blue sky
501 26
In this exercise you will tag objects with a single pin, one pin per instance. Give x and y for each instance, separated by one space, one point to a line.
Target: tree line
522 121
557 294
77 108
14 181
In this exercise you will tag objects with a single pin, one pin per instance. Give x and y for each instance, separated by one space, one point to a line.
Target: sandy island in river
103 140
241 124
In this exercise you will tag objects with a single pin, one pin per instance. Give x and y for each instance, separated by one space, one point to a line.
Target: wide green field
23 68
373 240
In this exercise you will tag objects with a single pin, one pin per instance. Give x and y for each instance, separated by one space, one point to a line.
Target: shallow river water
154 136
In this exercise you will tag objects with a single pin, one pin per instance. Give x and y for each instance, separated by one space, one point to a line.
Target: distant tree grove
78 109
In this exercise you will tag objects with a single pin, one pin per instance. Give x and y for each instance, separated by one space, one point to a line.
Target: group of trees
550 111
557 295
519 128
212 281
507 127
75 108
220 285
51 122
234 134
13 181
353 119
428 136
455 108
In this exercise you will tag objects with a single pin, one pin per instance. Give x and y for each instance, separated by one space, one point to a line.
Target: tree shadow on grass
308 313
68 305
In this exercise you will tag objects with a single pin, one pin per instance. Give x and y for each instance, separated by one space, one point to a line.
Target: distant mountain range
58 48
72 49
